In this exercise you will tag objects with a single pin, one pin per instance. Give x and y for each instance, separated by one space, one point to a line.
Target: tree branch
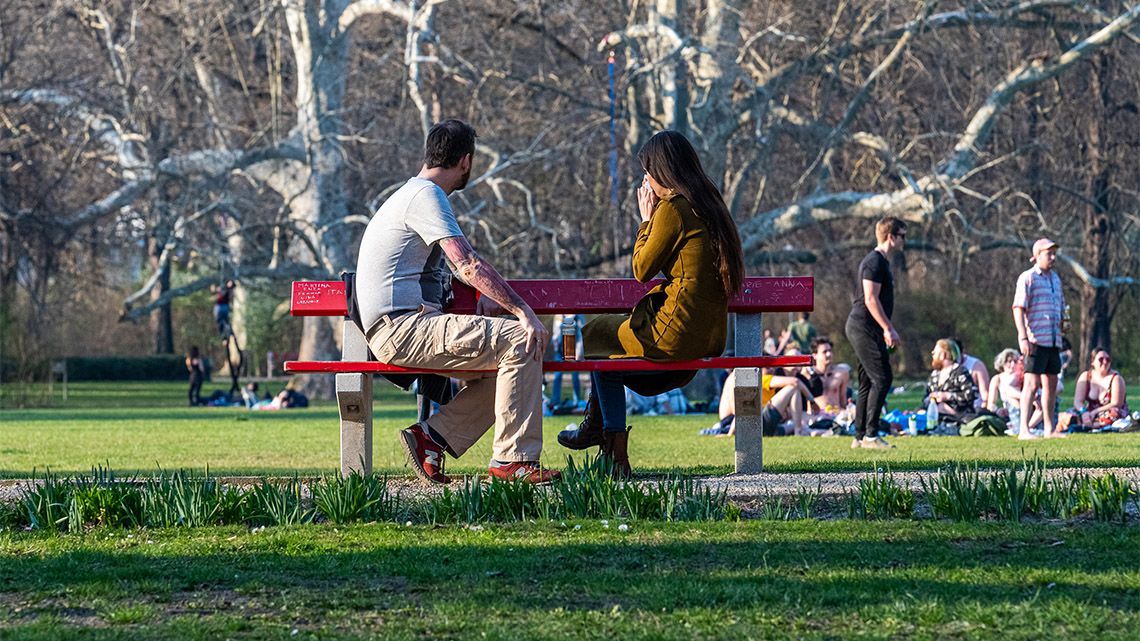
1083 274
354 11
218 162
773 84
839 132
915 202
903 203
103 127
977 133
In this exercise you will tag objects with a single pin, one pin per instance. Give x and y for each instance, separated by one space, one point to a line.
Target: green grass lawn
809 579
751 580
141 426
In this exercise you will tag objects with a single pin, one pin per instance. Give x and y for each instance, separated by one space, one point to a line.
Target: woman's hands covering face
646 199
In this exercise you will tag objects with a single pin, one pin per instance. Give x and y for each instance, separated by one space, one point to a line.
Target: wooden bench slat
591 296
610 365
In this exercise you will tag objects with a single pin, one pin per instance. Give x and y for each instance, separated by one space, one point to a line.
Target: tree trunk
319 200
1096 252
164 331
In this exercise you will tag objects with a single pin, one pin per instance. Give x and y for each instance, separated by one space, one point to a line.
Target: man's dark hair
820 340
447 142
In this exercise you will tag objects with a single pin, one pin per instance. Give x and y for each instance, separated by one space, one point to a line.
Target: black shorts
1043 360
770 421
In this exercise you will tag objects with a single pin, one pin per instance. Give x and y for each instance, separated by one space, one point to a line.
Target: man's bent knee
510 342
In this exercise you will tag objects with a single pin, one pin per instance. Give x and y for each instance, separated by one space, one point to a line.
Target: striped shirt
1039 294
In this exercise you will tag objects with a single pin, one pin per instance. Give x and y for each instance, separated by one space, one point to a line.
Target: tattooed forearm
478 273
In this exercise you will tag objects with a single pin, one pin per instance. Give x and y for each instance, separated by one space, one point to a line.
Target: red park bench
595 296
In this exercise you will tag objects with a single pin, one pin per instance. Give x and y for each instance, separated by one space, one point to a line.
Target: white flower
577 527
623 528
408 524
605 523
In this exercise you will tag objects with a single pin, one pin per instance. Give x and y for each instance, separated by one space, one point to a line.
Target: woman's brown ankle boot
589 431
615 448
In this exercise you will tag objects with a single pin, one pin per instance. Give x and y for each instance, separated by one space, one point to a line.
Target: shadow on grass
990 566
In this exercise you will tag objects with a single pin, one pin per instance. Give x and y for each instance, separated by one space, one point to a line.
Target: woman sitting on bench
686 234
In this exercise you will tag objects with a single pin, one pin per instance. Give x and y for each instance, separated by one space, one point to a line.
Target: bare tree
253 139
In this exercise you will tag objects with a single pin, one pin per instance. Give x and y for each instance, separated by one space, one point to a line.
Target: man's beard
463 181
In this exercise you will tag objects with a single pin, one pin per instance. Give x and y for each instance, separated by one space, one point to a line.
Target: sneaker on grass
425 455
526 471
875 443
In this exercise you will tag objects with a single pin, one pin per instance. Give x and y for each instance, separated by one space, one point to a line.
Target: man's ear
465 162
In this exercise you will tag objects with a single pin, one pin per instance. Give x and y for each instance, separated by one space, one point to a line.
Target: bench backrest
590 296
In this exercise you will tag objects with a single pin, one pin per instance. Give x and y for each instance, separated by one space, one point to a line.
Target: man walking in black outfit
871 333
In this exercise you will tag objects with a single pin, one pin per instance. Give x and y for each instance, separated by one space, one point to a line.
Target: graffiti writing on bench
318 293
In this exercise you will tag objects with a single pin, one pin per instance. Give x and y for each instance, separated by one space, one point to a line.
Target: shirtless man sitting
784 405
835 378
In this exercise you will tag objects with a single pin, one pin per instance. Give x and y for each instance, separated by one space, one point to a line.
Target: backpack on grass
984 425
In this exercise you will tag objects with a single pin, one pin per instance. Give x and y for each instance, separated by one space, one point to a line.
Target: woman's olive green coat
683 318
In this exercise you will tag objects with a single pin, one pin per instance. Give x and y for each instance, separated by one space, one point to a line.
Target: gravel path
744 488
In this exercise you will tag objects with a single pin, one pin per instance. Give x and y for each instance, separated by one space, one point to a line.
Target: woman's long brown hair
670 158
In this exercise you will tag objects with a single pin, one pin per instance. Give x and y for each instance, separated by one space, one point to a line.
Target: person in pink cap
1038 307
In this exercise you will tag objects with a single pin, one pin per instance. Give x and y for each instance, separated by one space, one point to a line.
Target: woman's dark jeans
874 372
610 390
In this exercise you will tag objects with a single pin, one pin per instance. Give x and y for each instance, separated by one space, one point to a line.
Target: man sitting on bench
401 279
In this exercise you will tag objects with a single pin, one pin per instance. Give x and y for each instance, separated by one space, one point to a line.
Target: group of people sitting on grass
808 401
816 400
960 390
1099 400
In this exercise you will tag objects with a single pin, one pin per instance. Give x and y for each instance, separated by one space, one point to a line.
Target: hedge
166 367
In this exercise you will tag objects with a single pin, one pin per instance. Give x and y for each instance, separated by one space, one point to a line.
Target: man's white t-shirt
401 265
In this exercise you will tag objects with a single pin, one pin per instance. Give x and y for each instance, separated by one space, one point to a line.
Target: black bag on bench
434 387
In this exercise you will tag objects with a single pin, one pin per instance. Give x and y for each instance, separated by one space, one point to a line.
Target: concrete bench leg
354 397
749 432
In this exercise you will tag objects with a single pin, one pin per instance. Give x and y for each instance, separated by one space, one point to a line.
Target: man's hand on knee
536 334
